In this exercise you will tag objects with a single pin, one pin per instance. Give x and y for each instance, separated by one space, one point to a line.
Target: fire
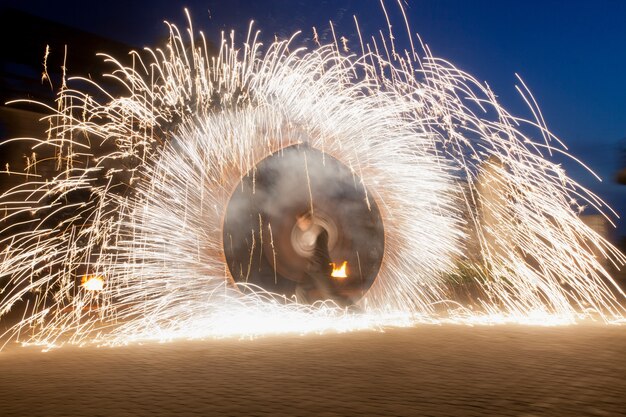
340 272
92 282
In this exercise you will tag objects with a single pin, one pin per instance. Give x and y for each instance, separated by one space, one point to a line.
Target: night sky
571 54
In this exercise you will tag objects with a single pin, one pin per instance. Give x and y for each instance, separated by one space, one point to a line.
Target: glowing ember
92 282
340 272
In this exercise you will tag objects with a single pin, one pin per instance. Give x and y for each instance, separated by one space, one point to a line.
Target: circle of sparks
142 181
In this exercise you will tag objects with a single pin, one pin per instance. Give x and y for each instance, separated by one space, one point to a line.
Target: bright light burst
92 282
467 196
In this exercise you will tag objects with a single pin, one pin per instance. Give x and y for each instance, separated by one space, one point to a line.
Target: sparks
464 192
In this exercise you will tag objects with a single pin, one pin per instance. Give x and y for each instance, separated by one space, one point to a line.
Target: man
319 269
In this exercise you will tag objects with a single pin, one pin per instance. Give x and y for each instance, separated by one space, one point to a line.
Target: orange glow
340 272
92 282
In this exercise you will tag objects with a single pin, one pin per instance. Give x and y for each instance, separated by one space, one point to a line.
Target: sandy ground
424 371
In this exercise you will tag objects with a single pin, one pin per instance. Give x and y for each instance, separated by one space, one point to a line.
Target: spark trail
141 181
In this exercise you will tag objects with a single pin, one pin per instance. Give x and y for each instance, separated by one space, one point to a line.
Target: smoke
294 180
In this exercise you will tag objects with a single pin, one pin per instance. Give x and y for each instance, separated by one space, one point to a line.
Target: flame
340 272
92 282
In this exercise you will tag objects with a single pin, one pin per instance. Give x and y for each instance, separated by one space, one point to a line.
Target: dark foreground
424 371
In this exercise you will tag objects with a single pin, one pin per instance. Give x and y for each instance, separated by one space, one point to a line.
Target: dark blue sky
571 54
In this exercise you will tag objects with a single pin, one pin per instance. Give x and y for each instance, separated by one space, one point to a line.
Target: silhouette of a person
319 268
